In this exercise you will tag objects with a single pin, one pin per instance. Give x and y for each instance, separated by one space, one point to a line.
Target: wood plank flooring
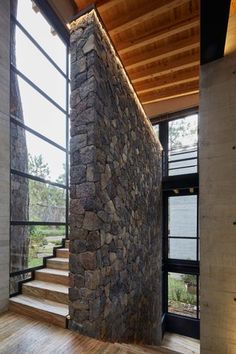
23 335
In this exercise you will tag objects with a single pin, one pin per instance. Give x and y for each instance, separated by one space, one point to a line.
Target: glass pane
44 160
41 115
34 22
182 294
182 249
35 66
183 216
36 201
29 244
156 129
183 138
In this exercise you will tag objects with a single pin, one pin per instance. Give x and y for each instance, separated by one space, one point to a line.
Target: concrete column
115 212
218 205
4 151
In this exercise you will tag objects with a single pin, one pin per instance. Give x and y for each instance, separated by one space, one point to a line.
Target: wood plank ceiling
158 43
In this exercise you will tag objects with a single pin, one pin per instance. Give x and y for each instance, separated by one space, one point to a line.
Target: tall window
179 138
39 137
183 149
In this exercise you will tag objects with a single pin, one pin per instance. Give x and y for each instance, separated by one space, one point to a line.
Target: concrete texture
115 210
4 152
218 206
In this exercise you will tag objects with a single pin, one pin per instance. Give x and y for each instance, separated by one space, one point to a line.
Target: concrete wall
218 206
115 212
4 152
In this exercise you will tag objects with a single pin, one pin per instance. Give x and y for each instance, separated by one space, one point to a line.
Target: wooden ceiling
158 43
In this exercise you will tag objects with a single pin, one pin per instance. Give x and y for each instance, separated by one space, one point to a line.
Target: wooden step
46 290
67 243
40 309
58 263
56 276
62 252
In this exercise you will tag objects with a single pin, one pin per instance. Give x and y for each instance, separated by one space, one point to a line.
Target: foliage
48 231
182 133
37 167
47 202
178 292
35 262
189 279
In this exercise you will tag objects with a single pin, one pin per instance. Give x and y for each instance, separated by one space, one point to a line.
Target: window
183 294
182 150
39 138
182 229
179 138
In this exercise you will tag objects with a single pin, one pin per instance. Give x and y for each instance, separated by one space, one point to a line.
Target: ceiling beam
102 5
173 47
176 78
171 92
135 42
164 67
171 105
137 15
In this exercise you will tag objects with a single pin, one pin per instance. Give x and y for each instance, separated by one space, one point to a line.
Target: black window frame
53 20
183 184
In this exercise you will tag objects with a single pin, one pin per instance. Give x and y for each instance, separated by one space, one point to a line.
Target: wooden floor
22 335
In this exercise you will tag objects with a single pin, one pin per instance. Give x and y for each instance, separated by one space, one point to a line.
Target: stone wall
217 143
115 210
4 151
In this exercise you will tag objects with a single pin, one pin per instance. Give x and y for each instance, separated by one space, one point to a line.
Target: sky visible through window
39 113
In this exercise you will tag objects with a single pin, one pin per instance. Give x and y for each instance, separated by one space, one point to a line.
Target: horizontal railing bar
38 179
184 237
29 82
179 168
28 35
182 152
35 223
181 160
34 132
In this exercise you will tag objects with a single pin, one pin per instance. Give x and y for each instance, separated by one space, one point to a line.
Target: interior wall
115 210
4 152
218 206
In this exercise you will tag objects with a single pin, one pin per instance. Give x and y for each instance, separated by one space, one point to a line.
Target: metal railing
179 160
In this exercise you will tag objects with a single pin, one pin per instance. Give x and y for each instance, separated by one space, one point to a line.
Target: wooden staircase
46 297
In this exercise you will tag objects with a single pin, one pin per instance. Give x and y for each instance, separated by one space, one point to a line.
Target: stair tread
41 304
54 271
58 259
63 249
47 286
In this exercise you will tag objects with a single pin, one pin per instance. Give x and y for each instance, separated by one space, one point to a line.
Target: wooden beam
178 77
137 15
102 5
134 42
171 105
171 92
164 67
163 51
